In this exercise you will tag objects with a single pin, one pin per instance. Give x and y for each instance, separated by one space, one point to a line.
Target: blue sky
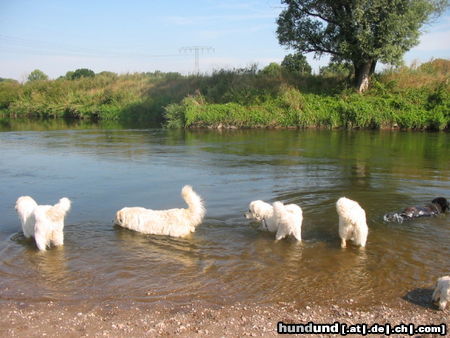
137 36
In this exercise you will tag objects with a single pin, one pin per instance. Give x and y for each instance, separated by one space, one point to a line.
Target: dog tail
25 206
64 204
194 202
57 212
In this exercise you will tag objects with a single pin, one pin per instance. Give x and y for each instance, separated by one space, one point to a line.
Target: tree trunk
362 74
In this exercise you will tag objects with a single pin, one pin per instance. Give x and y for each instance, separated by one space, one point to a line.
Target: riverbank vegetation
415 97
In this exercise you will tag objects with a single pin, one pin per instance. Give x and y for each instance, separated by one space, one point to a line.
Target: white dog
352 222
441 293
172 222
43 222
285 221
289 220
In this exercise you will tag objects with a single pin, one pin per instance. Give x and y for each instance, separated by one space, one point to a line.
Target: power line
196 50
12 44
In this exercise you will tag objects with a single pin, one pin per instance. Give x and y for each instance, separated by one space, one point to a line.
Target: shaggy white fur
441 293
172 222
43 222
289 220
258 210
352 222
290 216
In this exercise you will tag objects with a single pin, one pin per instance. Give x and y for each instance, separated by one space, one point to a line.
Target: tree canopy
362 32
37 75
296 63
81 72
273 69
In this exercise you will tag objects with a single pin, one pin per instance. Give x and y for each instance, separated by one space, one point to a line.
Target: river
104 168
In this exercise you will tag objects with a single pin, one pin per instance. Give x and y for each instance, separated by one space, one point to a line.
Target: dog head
441 203
258 210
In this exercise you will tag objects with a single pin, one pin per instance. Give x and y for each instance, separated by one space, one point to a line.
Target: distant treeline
415 97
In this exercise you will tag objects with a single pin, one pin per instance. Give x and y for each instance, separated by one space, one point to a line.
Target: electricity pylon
196 50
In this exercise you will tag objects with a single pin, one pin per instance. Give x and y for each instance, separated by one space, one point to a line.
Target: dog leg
297 234
27 233
280 234
360 239
57 238
41 241
264 224
436 294
442 304
343 243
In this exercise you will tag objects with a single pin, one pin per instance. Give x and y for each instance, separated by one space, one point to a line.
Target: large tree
362 32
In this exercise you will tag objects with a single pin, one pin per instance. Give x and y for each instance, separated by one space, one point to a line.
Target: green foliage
399 98
359 32
37 75
9 92
296 63
7 80
107 74
69 75
293 109
272 69
435 66
340 69
81 72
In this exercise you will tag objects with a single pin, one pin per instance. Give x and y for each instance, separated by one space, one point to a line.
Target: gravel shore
196 319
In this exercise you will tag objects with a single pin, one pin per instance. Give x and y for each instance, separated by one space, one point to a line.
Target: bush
9 92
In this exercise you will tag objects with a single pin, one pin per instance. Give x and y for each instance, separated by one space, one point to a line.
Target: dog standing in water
352 222
437 206
171 222
279 218
43 222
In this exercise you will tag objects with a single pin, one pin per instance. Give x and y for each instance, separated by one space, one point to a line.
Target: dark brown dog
437 206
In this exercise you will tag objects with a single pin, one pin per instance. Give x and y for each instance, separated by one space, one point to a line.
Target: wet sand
136 320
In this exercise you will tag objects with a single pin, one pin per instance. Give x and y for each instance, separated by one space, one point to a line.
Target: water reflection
227 259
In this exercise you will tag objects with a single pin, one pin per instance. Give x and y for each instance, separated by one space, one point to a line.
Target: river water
102 169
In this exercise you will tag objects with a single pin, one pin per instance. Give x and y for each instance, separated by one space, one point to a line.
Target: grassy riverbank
407 98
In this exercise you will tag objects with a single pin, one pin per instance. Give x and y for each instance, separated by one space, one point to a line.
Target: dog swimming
437 206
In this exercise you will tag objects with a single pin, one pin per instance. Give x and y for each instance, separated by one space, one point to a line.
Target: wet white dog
441 293
283 219
43 222
352 222
172 222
